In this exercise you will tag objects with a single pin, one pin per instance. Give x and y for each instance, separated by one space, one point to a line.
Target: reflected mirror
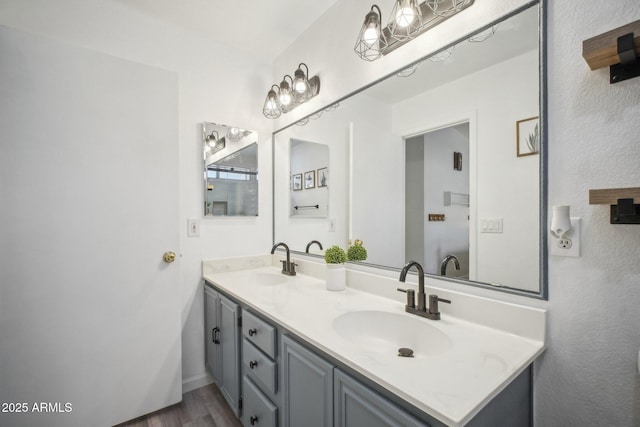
439 163
230 171
309 179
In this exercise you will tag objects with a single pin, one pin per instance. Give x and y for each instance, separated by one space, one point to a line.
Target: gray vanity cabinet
289 383
222 345
307 386
260 372
357 406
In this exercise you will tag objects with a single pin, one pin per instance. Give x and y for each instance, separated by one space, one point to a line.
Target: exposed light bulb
285 98
299 86
405 16
371 35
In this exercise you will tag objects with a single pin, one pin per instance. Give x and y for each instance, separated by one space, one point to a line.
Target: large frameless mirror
230 170
439 163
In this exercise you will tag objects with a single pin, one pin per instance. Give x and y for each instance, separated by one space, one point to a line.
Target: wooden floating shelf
602 51
610 196
624 204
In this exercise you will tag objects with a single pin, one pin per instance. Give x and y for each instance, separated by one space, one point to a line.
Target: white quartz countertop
451 386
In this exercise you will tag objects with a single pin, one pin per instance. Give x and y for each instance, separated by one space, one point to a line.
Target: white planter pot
336 277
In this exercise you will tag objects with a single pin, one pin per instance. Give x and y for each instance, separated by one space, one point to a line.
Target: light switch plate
193 225
491 225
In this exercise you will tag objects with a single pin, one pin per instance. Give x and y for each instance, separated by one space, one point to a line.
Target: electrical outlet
569 245
332 224
565 243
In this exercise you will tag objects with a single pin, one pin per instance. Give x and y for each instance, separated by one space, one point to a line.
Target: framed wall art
309 179
296 182
323 177
528 136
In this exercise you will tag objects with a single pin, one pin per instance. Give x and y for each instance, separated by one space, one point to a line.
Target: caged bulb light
301 86
271 109
371 40
406 20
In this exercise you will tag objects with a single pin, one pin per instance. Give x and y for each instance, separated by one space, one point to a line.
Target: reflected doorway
437 199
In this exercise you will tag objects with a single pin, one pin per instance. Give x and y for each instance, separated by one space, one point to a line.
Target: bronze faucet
432 311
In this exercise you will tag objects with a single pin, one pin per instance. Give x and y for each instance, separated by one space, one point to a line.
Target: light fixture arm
284 79
306 68
379 12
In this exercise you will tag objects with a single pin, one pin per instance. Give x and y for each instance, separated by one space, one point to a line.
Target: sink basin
385 332
268 279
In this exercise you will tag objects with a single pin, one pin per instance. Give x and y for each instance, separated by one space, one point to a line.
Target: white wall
205 70
588 376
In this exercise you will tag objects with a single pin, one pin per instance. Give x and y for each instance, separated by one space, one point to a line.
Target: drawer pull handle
214 335
253 420
253 364
253 332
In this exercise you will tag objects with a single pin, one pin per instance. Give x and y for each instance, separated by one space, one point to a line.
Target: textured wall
588 377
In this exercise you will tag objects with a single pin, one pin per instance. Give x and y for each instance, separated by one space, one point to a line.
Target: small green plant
357 252
335 255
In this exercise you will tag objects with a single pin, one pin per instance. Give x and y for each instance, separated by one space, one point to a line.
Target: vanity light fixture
408 19
291 92
447 8
236 134
285 96
408 71
372 40
301 85
442 55
405 20
213 142
271 109
483 35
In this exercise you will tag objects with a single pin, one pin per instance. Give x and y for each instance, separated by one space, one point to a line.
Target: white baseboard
194 382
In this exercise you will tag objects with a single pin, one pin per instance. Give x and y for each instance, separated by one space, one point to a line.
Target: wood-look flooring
203 407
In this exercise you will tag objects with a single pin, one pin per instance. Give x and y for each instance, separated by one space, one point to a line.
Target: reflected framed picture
528 136
323 177
296 182
309 179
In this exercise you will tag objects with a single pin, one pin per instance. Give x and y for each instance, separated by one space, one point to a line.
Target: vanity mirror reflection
426 163
230 170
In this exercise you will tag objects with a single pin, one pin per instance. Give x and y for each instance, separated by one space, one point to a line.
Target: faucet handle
411 297
433 304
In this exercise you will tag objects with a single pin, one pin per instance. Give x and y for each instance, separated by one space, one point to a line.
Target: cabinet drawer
260 333
258 366
258 411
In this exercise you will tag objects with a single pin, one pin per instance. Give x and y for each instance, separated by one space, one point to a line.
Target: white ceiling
263 28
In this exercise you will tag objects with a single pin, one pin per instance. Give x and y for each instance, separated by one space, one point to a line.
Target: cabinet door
229 353
357 406
307 387
212 333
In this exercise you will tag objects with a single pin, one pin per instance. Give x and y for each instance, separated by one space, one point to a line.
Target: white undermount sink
268 279
386 332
